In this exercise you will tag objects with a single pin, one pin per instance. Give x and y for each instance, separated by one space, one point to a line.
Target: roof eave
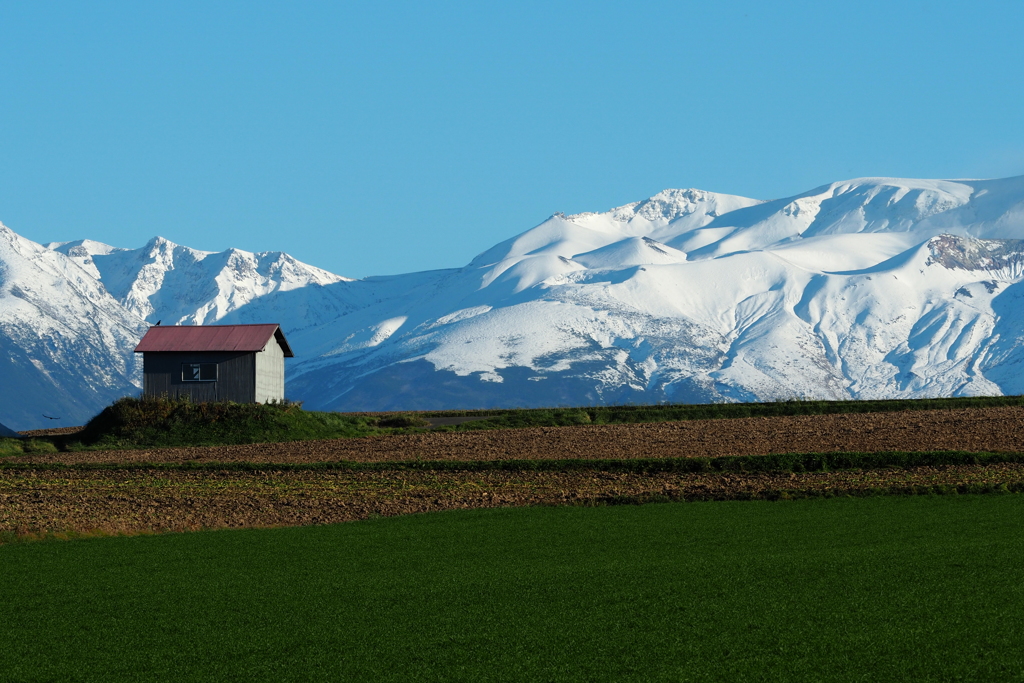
279 336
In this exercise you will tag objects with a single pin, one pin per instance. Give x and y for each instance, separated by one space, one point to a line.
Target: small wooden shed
240 363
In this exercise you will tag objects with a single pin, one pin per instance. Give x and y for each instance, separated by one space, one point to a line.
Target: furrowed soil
57 493
971 429
139 501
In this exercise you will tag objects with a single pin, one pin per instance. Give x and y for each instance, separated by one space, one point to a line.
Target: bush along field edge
776 462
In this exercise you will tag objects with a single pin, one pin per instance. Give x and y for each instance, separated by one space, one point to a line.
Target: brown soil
143 500
138 501
973 429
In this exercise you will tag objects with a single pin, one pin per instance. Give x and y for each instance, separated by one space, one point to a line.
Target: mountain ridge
864 288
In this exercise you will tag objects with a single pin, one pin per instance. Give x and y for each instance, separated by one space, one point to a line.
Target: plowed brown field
133 500
981 429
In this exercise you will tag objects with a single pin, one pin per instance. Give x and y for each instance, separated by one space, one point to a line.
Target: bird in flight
50 418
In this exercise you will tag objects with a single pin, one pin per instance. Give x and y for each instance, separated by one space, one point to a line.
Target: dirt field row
139 501
144 500
982 429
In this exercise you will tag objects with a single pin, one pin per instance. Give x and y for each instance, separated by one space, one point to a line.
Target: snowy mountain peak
881 204
83 251
180 285
670 205
82 248
863 288
662 217
163 249
632 251
65 342
667 206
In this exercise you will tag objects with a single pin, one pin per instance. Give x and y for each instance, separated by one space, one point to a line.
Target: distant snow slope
65 343
71 314
850 290
866 288
183 286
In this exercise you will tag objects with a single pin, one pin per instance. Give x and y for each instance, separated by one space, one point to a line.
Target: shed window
198 372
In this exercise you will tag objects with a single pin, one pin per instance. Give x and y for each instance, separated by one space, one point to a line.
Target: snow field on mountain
866 288
844 313
163 280
66 343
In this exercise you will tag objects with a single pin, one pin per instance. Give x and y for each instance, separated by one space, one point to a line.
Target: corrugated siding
270 373
236 374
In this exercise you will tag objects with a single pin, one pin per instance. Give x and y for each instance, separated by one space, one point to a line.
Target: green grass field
885 588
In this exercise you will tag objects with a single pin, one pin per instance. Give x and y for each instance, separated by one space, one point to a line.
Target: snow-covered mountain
71 314
65 343
183 286
860 289
875 287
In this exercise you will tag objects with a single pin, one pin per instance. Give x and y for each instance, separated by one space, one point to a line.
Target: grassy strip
548 417
922 588
782 462
9 447
804 494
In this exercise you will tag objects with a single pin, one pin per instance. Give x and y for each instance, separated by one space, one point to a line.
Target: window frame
202 367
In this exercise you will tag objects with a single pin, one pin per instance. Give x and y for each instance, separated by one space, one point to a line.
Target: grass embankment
926 588
159 422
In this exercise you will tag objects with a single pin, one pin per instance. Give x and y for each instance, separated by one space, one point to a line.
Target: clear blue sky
380 137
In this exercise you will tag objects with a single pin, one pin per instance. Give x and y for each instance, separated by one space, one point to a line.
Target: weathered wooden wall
236 376
270 373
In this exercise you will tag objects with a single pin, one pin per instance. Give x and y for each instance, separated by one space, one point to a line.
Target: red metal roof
212 338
